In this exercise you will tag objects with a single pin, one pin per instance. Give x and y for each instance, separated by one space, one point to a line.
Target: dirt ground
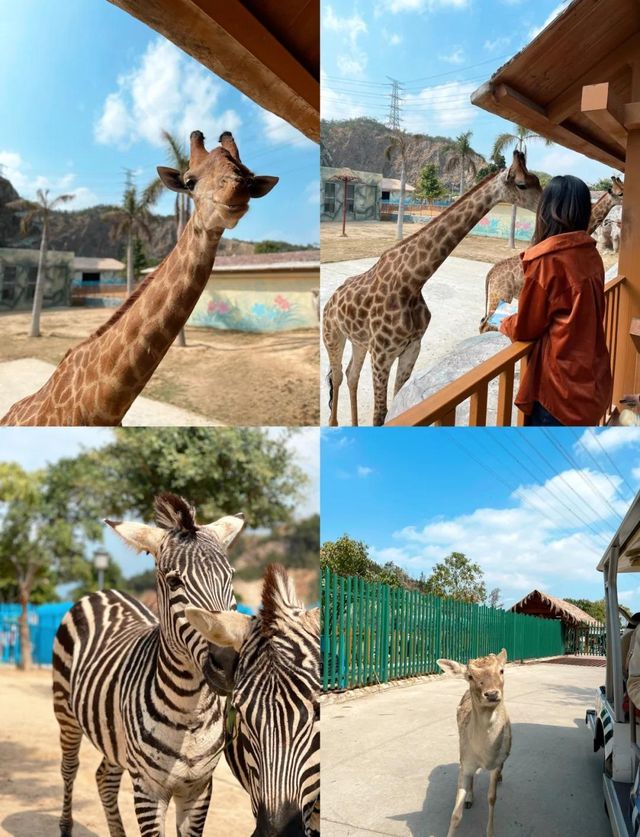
236 378
366 239
30 784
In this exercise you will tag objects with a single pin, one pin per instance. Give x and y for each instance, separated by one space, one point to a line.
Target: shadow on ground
30 823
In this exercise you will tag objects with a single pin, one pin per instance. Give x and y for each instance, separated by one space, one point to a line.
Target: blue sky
86 90
534 509
33 448
441 50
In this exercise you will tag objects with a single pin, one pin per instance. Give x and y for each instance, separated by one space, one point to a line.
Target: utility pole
393 123
394 120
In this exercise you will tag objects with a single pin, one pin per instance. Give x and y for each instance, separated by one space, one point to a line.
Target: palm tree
132 219
460 156
518 139
41 208
179 159
398 142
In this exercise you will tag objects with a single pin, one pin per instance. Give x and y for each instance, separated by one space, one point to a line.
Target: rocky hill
361 143
86 233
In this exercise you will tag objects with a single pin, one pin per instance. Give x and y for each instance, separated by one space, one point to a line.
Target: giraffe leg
108 777
191 812
381 363
406 362
150 813
70 740
353 376
334 342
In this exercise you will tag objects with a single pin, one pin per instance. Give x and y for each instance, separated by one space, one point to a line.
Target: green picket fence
372 633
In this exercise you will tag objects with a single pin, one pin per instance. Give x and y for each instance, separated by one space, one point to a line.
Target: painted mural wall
251 301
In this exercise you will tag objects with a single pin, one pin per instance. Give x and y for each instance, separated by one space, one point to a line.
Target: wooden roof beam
601 105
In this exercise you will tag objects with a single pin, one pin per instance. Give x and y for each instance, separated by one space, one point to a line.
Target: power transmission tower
394 107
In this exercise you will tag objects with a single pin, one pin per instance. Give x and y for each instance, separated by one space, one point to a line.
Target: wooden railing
440 408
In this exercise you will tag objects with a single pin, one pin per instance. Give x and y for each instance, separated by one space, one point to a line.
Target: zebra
273 736
145 690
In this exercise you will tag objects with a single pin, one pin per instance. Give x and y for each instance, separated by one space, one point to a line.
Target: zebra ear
227 528
312 617
227 629
138 535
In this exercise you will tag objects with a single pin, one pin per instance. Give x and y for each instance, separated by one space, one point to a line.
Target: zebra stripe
138 686
273 747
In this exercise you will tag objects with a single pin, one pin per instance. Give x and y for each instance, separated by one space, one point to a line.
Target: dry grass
366 239
236 378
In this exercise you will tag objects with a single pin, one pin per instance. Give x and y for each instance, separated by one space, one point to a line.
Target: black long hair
565 206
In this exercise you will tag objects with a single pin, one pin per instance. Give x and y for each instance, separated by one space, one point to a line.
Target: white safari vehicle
609 721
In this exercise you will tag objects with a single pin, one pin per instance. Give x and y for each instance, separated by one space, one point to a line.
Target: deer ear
262 184
502 656
172 179
452 667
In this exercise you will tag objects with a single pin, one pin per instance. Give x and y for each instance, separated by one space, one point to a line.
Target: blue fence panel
43 623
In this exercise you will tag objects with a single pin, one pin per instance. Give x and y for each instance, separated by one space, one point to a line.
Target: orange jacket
562 308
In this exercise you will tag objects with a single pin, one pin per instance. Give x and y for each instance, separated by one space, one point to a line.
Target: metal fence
586 640
372 633
43 621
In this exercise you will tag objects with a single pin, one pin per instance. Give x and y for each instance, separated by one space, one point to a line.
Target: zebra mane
173 512
278 598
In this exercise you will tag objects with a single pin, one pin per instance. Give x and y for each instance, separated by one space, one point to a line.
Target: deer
484 730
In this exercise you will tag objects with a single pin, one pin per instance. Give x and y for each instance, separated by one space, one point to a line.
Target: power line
394 119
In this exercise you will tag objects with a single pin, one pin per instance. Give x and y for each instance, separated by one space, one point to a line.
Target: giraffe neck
130 346
423 252
599 211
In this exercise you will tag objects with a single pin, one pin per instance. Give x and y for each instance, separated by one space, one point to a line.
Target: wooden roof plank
601 105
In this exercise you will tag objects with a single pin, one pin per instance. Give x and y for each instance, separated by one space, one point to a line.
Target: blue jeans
541 417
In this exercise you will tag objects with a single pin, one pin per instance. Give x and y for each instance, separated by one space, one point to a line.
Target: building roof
390 184
293 260
592 42
268 49
89 263
537 603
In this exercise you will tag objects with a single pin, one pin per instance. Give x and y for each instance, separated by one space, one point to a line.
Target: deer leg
354 368
465 789
406 362
491 796
334 341
381 363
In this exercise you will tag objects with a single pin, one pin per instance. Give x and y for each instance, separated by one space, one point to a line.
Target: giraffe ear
262 184
172 179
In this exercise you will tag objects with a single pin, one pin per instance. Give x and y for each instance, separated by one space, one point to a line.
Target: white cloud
445 106
535 542
166 90
392 38
353 60
18 171
635 473
398 6
536 30
456 56
334 105
612 438
312 193
279 132
496 44
364 471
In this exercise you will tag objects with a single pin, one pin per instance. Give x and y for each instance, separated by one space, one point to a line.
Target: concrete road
455 296
19 378
390 760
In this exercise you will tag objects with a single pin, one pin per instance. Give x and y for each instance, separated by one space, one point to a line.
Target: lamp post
101 560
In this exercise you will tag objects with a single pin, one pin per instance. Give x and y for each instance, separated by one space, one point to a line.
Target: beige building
19 272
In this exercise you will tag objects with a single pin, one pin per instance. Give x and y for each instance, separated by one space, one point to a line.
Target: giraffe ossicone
97 381
383 312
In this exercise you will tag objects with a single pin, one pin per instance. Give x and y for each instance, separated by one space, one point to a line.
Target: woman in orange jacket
568 375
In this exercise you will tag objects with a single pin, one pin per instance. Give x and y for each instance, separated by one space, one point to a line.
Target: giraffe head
616 190
518 185
218 182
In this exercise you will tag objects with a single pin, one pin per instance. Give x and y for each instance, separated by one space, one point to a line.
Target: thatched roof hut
537 603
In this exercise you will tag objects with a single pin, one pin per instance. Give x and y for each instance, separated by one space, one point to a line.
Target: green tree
518 139
497 163
461 157
42 209
544 177
268 246
235 470
132 220
113 580
602 185
494 598
303 542
593 608
429 185
346 556
456 577
139 257
142 581
38 544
